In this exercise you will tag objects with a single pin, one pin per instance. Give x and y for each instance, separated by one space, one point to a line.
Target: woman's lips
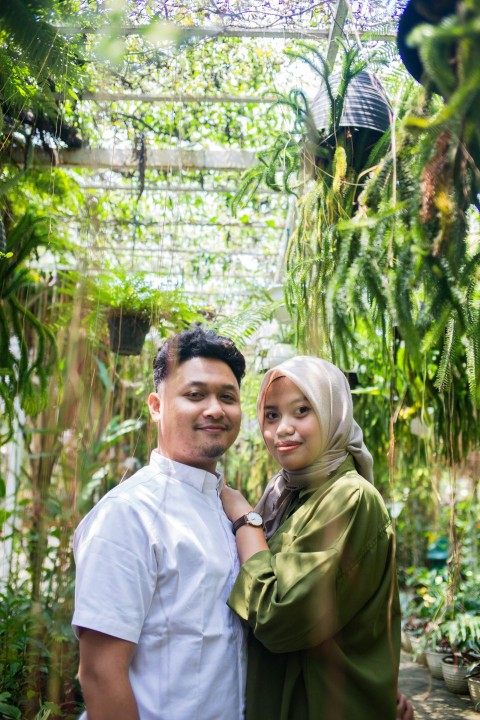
287 447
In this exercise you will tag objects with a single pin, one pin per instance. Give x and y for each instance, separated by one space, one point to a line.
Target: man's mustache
219 426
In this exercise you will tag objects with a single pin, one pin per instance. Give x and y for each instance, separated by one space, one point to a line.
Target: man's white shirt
156 561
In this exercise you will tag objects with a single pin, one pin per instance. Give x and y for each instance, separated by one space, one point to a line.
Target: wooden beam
156 251
182 223
175 33
178 98
178 33
182 189
336 30
124 159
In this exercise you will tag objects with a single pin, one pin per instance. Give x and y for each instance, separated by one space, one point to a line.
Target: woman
317 585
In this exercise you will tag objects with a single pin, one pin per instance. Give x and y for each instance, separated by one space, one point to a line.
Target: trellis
207 165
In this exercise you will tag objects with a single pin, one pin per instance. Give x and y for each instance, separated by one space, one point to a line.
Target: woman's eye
271 416
303 410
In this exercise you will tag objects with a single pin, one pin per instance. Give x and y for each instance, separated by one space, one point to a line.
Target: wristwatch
251 518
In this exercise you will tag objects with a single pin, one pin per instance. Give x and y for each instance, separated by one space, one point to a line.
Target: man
156 558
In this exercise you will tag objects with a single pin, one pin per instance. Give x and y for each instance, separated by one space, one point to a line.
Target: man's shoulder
145 477
138 492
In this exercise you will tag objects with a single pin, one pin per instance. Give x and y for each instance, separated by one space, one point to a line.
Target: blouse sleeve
325 569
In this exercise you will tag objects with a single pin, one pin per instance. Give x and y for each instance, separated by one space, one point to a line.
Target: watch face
255 519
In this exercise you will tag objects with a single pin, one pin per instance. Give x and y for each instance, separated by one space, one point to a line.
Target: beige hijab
326 388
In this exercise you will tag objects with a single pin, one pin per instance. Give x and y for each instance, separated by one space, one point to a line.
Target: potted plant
132 303
473 681
434 655
421 630
463 633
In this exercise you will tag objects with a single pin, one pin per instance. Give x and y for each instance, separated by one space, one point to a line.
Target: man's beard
213 451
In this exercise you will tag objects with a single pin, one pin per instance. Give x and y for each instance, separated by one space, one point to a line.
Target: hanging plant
27 345
324 160
441 48
131 304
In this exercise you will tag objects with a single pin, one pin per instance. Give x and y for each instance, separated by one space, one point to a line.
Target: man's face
197 409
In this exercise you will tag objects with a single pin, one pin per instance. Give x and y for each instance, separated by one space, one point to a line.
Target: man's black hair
197 342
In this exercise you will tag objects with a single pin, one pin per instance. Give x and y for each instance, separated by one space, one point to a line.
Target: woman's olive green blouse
323 609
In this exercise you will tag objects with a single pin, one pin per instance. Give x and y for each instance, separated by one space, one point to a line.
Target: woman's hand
250 540
234 504
404 708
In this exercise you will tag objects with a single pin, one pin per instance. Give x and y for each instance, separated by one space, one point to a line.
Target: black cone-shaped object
415 13
366 114
365 105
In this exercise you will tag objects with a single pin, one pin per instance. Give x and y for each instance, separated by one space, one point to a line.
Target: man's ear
154 406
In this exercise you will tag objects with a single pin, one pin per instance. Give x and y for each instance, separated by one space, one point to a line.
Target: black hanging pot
127 331
366 112
415 13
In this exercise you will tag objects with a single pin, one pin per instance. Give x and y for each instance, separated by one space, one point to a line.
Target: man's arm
103 675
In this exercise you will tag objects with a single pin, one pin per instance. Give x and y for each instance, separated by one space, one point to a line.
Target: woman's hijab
327 390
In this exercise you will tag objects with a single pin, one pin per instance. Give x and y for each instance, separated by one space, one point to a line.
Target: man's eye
194 395
228 398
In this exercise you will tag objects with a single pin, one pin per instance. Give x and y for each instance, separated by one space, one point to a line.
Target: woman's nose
285 427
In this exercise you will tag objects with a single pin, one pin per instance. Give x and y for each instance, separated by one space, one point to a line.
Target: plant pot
414 14
127 332
418 653
474 690
455 675
434 662
406 640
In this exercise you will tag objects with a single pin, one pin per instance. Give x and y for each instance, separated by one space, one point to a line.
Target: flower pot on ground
406 640
418 650
413 639
473 680
434 661
455 671
474 690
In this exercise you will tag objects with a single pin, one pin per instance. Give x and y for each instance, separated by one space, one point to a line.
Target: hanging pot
366 112
127 331
365 105
415 13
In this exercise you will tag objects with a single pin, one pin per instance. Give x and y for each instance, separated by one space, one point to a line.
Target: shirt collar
201 480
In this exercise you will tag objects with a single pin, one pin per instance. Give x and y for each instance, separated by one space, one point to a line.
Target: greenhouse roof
179 105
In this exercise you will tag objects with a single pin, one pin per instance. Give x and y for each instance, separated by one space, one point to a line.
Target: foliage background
387 288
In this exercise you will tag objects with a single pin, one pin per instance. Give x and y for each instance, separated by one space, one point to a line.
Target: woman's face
290 426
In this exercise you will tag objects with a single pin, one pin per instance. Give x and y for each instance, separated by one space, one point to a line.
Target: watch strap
243 520
238 523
